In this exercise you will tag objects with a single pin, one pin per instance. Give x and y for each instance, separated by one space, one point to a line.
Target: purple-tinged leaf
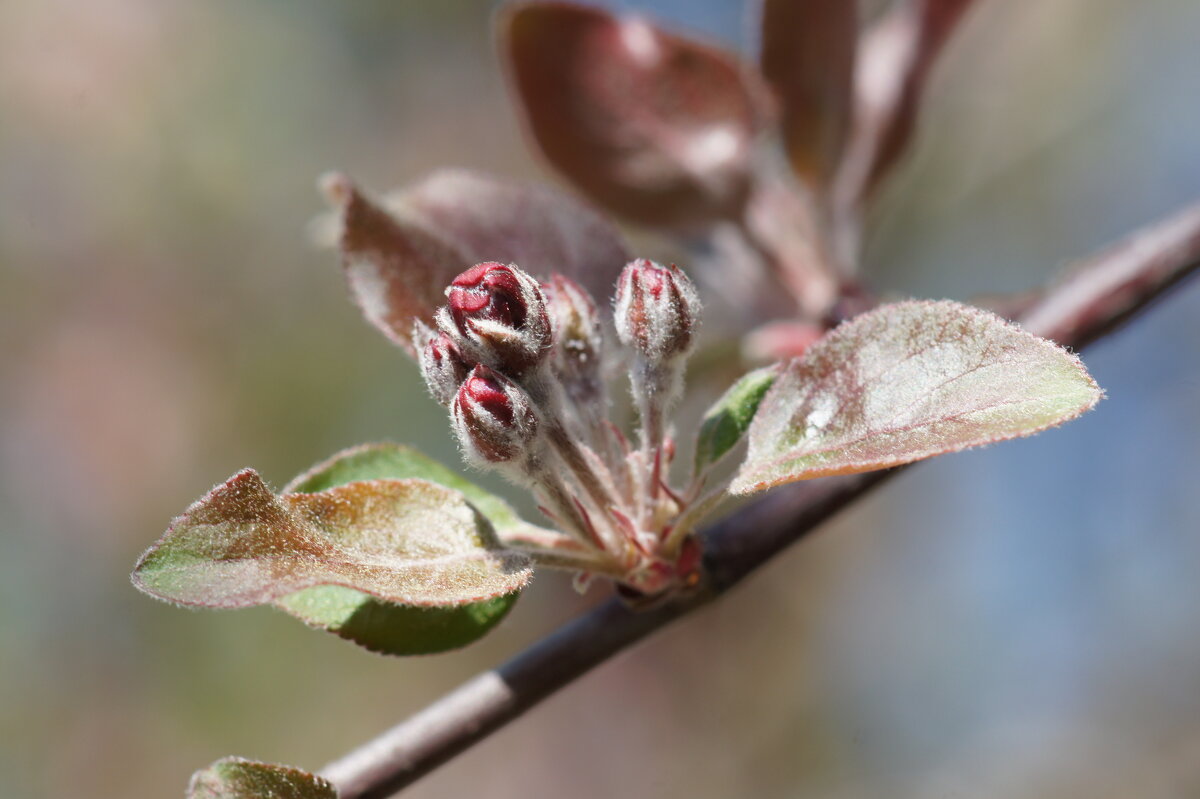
653 126
410 542
400 253
235 778
897 56
542 230
808 51
397 269
906 382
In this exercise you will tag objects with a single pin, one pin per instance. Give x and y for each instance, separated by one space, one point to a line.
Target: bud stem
654 389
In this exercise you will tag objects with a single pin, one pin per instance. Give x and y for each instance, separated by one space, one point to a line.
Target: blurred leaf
235 778
541 230
729 418
382 626
656 127
808 50
410 541
906 382
897 56
400 254
397 270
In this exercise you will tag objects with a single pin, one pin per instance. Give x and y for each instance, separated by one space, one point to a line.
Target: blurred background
1022 621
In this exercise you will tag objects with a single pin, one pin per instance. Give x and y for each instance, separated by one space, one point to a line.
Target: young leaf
397 270
542 230
808 49
400 254
386 461
898 55
235 778
729 418
650 125
906 382
382 626
410 542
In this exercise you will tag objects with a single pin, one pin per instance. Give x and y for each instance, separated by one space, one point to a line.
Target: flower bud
578 337
493 417
442 364
498 316
657 310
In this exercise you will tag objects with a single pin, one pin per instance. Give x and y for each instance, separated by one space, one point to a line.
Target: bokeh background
1022 621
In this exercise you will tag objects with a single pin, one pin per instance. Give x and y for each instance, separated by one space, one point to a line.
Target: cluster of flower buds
521 365
498 315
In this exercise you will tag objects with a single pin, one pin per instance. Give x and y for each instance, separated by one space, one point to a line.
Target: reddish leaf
541 230
906 382
410 542
401 253
650 125
235 778
898 55
397 270
808 49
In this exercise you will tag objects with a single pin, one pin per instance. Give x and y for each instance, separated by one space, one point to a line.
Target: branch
1092 299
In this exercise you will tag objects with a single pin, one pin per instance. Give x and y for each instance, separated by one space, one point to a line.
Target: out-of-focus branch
1091 300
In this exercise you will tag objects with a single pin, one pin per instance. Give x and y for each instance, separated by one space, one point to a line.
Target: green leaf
905 382
381 626
235 778
729 418
391 629
408 541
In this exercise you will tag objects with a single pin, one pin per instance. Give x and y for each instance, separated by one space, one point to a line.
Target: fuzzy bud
442 364
497 315
578 337
657 310
493 417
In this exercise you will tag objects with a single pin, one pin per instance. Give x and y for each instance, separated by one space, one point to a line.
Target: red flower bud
578 337
493 417
498 315
657 310
442 364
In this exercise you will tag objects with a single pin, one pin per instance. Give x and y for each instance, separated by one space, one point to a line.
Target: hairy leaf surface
397 270
383 626
235 778
400 253
409 541
656 127
906 382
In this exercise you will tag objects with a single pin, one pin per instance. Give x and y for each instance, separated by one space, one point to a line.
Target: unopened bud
493 417
498 315
657 310
578 337
442 364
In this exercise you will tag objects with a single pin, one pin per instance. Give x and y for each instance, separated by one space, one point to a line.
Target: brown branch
1091 300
